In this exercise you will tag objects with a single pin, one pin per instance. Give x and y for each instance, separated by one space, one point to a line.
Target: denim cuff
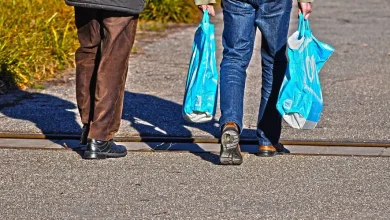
239 125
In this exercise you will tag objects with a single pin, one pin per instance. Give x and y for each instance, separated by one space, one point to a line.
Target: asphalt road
355 84
45 184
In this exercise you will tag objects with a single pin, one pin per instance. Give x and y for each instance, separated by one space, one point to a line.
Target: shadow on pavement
152 116
50 114
210 157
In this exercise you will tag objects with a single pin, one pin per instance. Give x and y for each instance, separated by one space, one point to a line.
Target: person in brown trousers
106 32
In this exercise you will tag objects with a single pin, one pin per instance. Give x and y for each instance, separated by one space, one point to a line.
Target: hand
209 8
305 9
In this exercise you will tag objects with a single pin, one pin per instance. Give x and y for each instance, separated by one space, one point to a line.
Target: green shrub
37 38
183 11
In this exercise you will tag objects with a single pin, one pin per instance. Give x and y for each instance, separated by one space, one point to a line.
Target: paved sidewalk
60 185
355 84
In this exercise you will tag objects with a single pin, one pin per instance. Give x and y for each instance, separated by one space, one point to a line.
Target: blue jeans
241 17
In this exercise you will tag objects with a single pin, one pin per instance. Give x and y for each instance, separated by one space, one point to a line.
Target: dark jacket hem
105 7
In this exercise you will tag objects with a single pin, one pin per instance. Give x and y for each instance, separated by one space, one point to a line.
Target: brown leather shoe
270 151
230 149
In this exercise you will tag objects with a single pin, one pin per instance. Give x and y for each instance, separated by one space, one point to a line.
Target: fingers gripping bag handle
206 17
303 26
205 24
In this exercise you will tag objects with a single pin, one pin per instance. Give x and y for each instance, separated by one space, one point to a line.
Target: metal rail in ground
345 143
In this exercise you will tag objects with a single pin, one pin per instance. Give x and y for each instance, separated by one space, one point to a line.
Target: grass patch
38 38
170 11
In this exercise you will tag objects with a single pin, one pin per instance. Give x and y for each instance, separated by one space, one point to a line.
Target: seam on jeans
241 9
236 59
265 143
272 12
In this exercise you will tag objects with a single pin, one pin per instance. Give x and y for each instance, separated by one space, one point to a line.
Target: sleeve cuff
204 2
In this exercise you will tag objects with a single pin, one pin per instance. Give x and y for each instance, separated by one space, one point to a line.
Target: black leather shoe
84 135
270 151
97 149
230 149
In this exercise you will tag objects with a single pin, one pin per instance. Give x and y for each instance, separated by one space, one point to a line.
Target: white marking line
140 121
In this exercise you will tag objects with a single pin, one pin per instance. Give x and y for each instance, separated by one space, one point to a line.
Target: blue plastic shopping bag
300 99
202 78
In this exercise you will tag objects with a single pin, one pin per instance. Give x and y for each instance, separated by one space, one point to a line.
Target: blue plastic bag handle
206 17
303 26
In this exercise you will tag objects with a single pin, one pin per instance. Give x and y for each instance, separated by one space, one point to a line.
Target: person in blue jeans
241 18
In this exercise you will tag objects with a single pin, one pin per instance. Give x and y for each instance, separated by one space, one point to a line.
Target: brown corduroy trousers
106 39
